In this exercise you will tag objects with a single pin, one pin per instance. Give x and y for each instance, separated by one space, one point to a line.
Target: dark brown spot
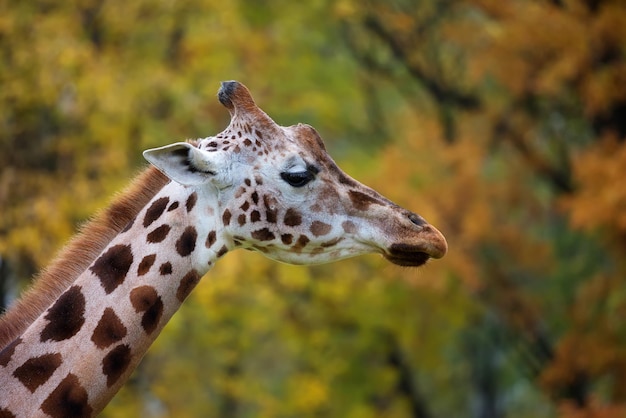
7 352
292 217
222 251
320 228
112 266
263 234
146 264
37 370
109 330
187 241
173 206
155 210
5 413
159 234
361 201
255 198
244 207
210 239
115 363
259 135
287 239
69 399
165 269
302 241
241 219
348 227
226 217
327 193
191 201
247 142
145 299
187 283
65 317
270 209
248 182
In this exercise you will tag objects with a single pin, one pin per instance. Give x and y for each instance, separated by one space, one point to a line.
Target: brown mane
79 253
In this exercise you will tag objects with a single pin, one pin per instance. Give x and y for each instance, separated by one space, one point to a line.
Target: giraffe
72 340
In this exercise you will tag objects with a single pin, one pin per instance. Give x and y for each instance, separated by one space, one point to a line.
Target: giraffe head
276 190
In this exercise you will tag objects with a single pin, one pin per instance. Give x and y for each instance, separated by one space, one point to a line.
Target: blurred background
503 123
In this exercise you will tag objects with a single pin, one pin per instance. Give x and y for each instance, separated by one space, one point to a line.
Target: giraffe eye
298 179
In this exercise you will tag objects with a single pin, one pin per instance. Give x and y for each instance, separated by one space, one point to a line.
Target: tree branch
441 92
560 179
406 384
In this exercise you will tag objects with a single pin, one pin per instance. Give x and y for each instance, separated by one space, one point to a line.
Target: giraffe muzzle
430 243
407 255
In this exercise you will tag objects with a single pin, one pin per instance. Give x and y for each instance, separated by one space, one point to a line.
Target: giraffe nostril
417 220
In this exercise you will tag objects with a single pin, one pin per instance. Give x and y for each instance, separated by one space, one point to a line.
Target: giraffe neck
76 355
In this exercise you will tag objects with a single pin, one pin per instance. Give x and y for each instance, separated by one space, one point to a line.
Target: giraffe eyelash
300 178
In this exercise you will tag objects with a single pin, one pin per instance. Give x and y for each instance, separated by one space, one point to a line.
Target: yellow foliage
84 87
600 200
308 393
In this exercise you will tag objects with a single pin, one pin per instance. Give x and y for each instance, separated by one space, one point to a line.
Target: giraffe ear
183 163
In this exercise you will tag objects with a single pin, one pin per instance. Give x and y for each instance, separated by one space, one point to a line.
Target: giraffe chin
406 256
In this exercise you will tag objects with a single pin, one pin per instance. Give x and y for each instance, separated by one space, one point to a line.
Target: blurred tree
503 123
531 95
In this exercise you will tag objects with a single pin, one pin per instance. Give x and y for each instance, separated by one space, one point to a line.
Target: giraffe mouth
407 255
